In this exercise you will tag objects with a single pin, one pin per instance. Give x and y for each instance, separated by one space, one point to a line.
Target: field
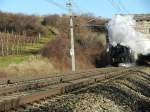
29 50
28 61
13 59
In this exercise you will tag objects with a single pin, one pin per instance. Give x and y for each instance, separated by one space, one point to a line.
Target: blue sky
104 8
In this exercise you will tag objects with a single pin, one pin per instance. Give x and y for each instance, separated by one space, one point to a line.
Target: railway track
48 105
17 80
27 92
31 83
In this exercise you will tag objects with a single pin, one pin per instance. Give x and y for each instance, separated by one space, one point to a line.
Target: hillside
89 41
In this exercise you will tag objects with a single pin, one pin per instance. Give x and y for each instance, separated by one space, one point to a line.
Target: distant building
143 23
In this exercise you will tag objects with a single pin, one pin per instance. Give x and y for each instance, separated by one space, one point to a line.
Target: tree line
19 23
32 25
16 30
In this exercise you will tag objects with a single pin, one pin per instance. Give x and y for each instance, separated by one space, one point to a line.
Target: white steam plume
121 30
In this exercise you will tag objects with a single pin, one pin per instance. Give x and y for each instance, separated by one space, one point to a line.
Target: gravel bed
126 94
87 102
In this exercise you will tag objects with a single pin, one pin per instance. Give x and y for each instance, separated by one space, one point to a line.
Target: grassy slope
35 48
6 60
29 51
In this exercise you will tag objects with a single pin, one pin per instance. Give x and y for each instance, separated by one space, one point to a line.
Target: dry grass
32 67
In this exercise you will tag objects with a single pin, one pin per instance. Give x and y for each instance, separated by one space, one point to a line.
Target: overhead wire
120 8
117 4
57 4
80 9
123 6
114 6
77 6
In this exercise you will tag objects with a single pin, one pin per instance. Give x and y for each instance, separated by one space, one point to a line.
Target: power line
80 9
114 6
123 6
56 4
117 5
76 6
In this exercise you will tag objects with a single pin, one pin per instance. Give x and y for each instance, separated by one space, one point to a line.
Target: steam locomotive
120 55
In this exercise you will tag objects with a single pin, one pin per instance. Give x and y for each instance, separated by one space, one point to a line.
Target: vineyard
14 44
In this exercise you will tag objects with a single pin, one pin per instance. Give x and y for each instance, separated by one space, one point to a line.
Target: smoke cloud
121 30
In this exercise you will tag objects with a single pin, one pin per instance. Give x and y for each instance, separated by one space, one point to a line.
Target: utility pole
72 50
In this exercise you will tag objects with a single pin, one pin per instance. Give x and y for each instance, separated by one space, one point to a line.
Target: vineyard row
14 44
